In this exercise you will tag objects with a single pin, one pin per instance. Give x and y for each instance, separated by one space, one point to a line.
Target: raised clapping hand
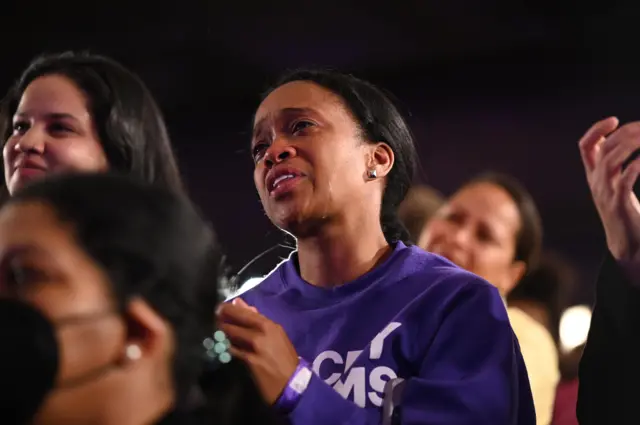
262 344
604 149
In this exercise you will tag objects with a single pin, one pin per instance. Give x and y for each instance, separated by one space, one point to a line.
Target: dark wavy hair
380 121
129 123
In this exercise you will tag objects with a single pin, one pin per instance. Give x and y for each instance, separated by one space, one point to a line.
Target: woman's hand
262 344
605 149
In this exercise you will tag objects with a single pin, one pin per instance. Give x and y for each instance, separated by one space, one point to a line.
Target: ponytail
392 228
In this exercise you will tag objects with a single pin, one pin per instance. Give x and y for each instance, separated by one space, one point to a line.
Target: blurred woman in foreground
107 291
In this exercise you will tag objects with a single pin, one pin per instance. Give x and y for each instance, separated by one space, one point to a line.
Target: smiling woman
52 108
491 227
82 112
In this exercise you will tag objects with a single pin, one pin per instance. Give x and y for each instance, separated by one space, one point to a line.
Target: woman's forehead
489 201
52 93
296 95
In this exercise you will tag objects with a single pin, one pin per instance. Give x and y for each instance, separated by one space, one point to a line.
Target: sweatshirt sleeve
609 369
472 374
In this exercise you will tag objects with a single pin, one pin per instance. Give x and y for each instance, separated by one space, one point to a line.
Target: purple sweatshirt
416 320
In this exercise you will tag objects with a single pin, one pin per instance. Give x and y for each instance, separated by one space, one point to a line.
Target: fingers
249 357
241 316
245 356
618 154
610 159
241 338
590 142
239 302
626 135
242 303
628 180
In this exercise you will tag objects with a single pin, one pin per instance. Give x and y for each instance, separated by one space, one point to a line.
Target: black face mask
29 359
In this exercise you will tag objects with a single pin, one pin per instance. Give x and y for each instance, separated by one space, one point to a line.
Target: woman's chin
286 219
291 220
298 215
22 179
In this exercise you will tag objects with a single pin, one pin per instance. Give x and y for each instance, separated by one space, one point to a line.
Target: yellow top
541 358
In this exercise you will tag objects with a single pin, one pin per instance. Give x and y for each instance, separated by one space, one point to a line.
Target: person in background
543 293
420 204
491 227
74 112
609 370
357 327
113 284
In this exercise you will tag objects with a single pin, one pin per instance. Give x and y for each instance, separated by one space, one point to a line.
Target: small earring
133 352
373 174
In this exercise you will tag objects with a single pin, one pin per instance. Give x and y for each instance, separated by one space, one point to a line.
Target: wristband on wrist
296 386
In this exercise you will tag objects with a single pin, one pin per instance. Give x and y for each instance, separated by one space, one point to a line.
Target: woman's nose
278 152
32 141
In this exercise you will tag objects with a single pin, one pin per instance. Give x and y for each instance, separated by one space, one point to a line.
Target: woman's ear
381 159
145 330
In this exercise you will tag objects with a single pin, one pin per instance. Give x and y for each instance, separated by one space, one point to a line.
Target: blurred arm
610 366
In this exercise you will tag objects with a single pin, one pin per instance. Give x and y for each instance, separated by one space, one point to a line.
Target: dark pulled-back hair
379 120
153 244
529 236
129 123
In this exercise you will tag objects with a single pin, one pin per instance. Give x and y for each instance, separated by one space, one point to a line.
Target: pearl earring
133 352
373 174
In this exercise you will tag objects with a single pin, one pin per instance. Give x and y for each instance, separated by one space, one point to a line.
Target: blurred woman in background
357 327
112 283
491 227
82 112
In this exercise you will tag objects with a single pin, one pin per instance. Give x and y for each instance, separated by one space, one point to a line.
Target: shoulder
427 265
439 293
528 327
440 277
260 286
533 337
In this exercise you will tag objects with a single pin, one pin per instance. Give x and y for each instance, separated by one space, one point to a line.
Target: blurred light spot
574 327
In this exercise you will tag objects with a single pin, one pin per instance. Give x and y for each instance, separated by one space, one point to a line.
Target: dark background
507 85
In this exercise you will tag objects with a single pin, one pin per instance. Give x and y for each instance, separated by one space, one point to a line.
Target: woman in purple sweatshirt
356 327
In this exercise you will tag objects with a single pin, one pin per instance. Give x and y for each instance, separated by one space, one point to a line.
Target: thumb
242 303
